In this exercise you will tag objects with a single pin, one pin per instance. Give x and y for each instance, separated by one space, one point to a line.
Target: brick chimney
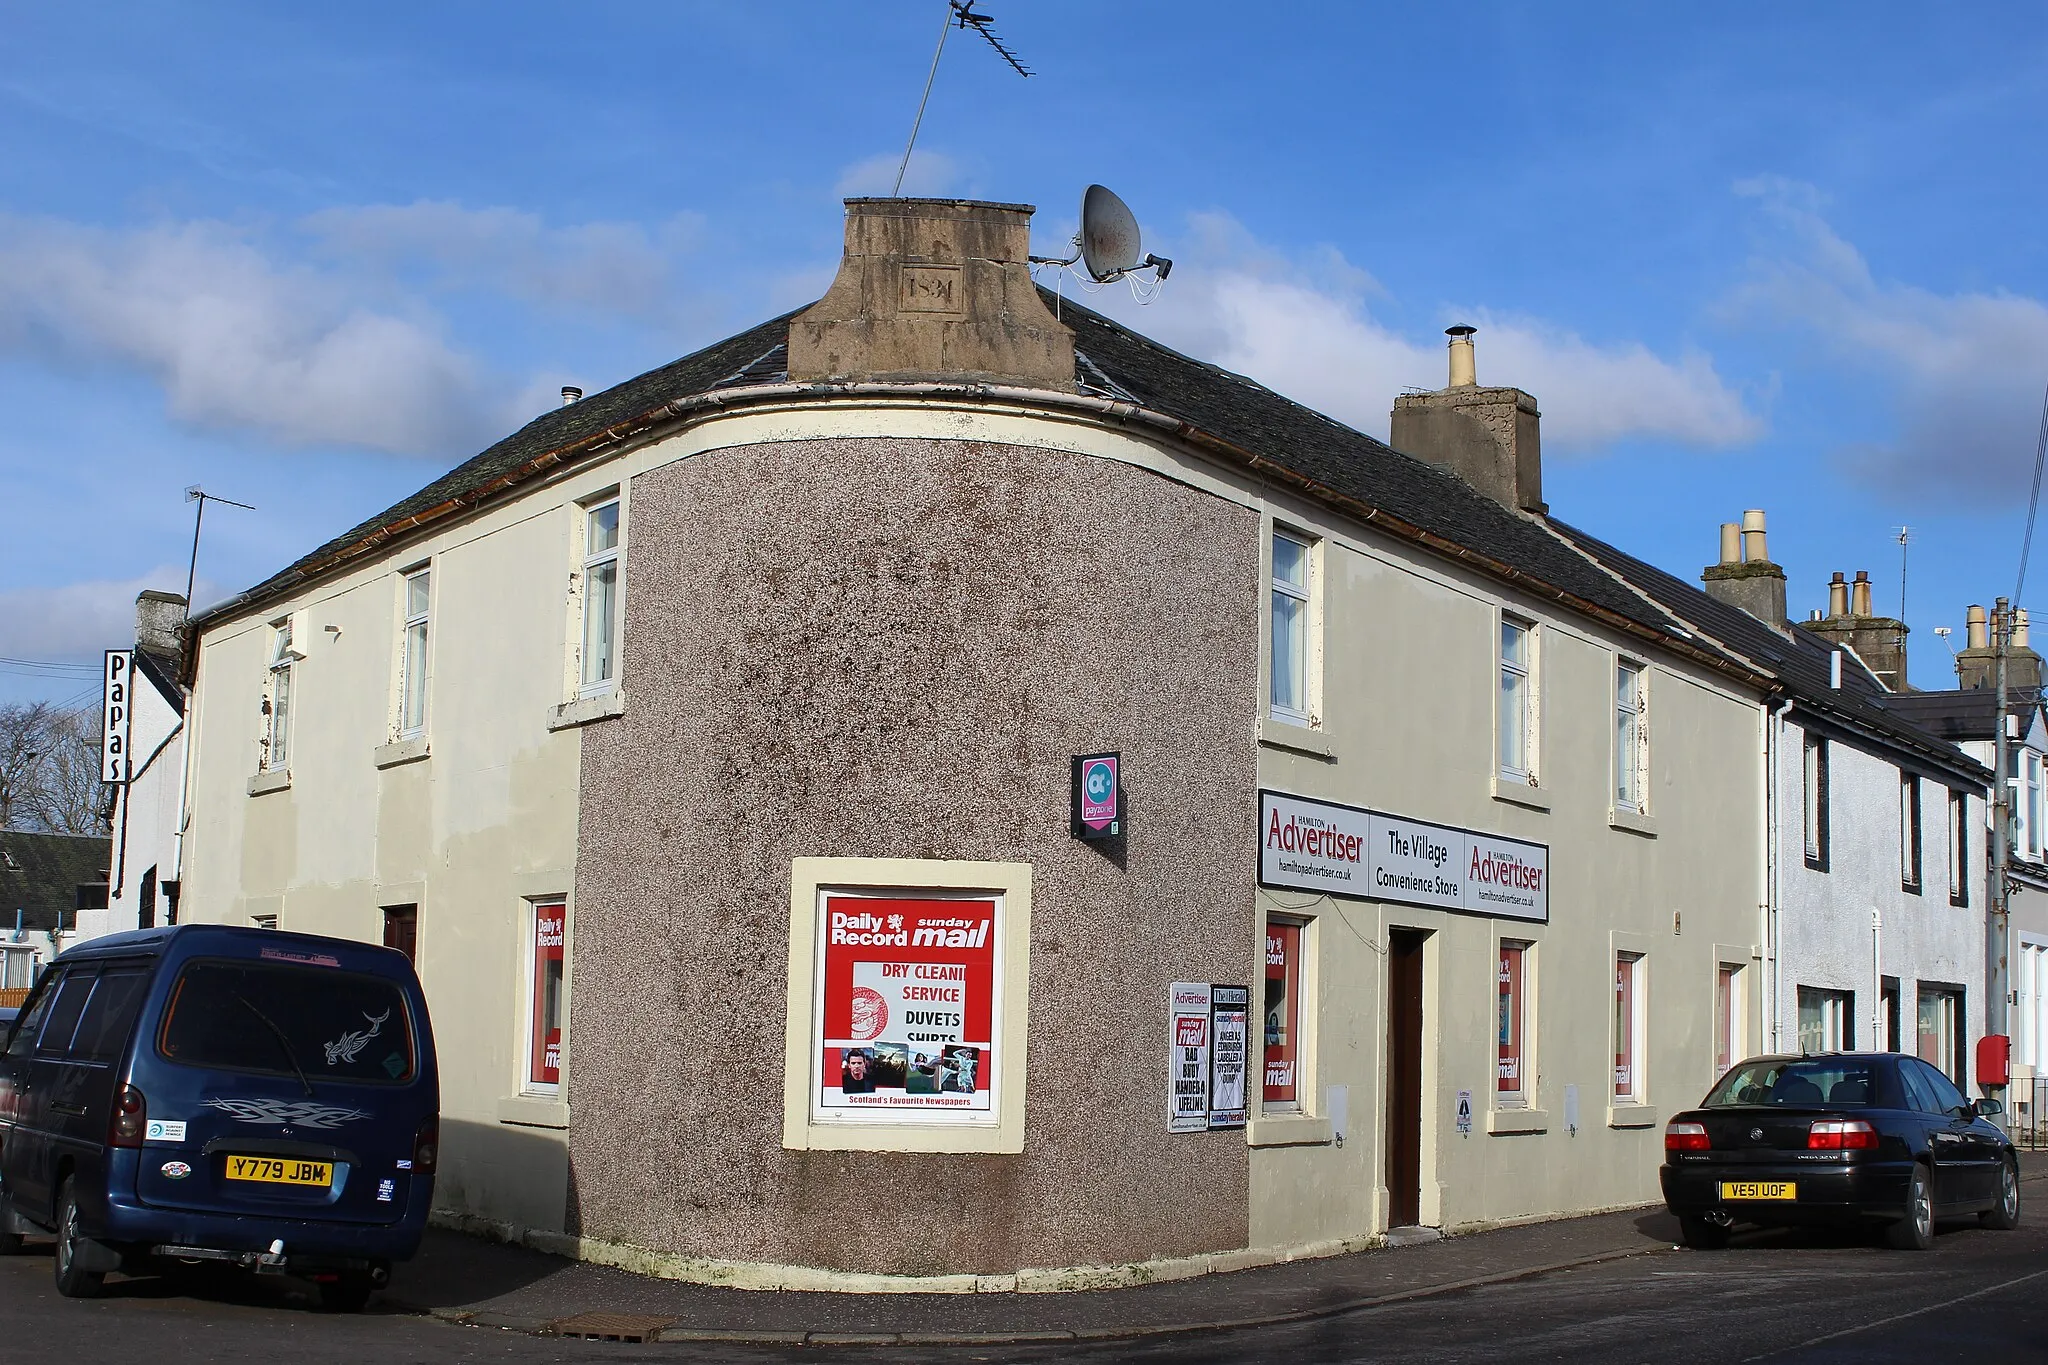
1490 438
160 623
1852 623
1977 660
1746 577
933 289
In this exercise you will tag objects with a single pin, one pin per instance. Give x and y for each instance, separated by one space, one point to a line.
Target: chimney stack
1745 577
933 289
1852 623
160 623
1489 437
1977 661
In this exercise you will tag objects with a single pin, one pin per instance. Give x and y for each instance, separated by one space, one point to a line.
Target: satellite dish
1109 235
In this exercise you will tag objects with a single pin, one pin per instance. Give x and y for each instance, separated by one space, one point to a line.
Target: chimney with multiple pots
1746 577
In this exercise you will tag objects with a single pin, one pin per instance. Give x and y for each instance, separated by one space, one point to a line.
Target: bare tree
49 769
24 735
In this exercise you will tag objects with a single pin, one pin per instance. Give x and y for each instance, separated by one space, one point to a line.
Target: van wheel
347 1294
1915 1231
72 1282
2005 1214
1701 1235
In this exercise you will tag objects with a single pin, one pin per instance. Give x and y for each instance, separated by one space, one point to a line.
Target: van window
103 1032
24 1036
64 1012
280 1020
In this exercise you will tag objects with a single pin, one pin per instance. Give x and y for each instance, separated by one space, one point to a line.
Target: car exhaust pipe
1720 1218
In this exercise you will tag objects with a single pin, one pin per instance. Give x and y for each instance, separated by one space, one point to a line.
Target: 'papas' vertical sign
116 718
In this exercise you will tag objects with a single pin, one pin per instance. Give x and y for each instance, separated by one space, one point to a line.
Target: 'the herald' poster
908 1009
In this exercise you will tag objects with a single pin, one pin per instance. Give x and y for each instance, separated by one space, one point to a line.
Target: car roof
235 940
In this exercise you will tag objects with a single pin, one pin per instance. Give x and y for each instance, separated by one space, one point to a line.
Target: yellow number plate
277 1170
1759 1189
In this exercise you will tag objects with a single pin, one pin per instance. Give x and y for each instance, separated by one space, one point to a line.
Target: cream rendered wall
1409 679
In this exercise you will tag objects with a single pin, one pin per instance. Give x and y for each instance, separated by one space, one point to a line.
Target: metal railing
2026 1112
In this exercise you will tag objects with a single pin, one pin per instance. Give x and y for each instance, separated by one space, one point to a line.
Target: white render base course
761 1275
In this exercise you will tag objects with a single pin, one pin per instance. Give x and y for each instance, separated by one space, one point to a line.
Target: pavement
466 1280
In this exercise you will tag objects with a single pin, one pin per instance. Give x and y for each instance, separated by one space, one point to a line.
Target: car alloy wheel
2005 1216
1915 1232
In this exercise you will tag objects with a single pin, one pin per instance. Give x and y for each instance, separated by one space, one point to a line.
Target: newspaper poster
907 1009
1229 1027
1187 1094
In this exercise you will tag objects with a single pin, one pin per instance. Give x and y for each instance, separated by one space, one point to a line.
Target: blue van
214 1094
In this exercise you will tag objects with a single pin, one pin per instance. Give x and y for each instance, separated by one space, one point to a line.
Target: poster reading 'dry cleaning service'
907 1008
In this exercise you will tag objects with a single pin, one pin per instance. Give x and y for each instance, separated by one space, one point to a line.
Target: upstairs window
1910 842
2027 843
412 668
1631 737
1814 787
277 705
1288 661
1517 737
1958 848
601 597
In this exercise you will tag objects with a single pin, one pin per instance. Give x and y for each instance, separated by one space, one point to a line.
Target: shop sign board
908 1007
1097 799
1229 1041
116 717
1188 1077
1320 846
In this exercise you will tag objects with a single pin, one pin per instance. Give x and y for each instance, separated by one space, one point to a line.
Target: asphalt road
1979 1296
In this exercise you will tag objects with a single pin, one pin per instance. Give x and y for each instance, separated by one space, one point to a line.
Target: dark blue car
206 1093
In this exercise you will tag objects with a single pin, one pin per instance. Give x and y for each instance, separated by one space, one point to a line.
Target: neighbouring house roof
40 875
1797 658
1961 715
1234 416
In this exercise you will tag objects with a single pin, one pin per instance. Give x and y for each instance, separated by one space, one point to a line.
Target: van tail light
1841 1135
129 1118
426 1147
1686 1137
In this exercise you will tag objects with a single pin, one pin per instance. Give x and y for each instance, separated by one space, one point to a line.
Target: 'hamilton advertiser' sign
1307 845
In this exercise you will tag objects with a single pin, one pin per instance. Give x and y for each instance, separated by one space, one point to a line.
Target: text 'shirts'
906 1030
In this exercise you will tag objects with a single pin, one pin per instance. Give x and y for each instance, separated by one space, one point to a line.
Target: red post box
1994 1058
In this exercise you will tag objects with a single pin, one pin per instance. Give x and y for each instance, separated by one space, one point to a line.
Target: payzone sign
1097 797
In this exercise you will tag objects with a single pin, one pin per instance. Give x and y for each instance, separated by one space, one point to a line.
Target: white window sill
1632 821
1517 792
270 780
400 751
1289 1130
1626 1114
1516 1119
534 1111
1302 739
586 710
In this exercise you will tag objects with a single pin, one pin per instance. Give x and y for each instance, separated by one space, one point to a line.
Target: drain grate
640 1327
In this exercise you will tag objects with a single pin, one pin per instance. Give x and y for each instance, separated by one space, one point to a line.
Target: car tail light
426 1147
1686 1137
1841 1135
129 1119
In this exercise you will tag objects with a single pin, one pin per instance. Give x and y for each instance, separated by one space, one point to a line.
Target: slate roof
1110 360
1799 660
1960 715
40 875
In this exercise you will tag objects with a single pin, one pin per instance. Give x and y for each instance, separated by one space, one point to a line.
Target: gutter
715 402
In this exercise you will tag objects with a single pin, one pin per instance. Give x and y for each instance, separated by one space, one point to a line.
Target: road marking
1896 1317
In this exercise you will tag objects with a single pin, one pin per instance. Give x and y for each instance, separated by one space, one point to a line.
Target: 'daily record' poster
907 1008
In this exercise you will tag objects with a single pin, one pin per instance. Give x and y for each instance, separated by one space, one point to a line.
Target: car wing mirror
1987 1107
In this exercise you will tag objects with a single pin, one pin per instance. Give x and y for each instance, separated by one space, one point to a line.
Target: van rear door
298 1091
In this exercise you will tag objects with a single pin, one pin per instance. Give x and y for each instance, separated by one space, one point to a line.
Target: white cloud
237 340
1963 371
75 621
1302 326
929 173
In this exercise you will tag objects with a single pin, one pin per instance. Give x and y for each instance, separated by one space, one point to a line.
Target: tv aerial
959 14
1107 246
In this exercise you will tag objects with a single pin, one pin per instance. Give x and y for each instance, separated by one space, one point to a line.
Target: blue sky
310 257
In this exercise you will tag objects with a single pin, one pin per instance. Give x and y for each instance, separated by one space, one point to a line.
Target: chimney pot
1838 597
1731 543
1753 548
1976 629
2019 629
1859 594
571 394
1464 362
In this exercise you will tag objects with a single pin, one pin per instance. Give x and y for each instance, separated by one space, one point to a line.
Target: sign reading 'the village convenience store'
1307 845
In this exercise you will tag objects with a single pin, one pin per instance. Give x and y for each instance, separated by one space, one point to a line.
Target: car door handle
74 1110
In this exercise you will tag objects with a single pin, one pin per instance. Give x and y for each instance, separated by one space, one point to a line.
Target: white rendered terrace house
1872 932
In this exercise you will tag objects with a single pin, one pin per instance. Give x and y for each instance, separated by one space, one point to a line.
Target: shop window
1282 1085
1512 978
1730 1013
1517 722
1888 987
550 921
601 597
1909 833
412 646
1958 848
1291 656
1631 737
1814 791
1827 1020
1629 1003
1941 1030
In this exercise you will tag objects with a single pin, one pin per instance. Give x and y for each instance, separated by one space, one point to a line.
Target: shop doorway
1404 1076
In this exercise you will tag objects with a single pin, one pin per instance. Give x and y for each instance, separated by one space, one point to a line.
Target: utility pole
1997 985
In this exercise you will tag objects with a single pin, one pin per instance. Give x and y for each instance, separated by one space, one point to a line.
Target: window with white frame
1730 1037
412 665
1814 791
547 963
2030 1017
601 596
1629 982
1827 1020
1517 726
1958 848
1631 736
1940 1029
1289 658
277 702
1910 841
1281 1088
2028 807
1511 1075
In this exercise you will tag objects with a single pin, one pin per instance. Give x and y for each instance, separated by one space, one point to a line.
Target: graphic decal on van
350 1045
298 1113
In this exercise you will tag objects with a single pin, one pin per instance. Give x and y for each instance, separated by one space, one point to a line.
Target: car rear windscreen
1816 1081
328 1024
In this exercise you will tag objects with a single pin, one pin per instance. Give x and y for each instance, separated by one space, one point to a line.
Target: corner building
712 741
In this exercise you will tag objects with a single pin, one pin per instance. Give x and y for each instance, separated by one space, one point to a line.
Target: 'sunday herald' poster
908 1008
